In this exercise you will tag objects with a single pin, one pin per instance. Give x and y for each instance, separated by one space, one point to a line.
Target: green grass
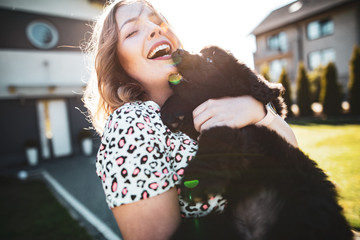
336 149
30 211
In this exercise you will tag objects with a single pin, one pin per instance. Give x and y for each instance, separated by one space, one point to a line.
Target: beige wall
345 35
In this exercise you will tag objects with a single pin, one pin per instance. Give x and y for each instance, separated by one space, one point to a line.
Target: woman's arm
154 218
237 112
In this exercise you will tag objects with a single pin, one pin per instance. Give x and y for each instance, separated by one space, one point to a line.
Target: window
42 34
276 67
321 57
278 42
319 29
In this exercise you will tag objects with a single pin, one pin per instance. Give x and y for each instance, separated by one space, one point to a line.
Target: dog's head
216 73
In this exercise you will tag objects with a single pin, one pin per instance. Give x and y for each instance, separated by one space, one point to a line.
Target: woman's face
145 45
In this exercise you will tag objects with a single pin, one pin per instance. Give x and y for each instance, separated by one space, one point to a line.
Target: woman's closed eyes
132 33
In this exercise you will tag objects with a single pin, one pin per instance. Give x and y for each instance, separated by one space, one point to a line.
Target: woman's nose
155 31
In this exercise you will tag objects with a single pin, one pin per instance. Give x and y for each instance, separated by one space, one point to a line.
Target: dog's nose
177 56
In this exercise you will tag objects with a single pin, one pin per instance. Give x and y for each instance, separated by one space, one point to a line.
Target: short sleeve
133 161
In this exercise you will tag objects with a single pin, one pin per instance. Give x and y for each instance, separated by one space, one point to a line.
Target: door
54 128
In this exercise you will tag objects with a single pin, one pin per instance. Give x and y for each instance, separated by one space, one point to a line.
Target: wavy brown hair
109 86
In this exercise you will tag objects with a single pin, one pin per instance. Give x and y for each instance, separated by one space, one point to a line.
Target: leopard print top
139 157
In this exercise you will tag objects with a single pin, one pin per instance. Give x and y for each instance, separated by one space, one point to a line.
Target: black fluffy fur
273 190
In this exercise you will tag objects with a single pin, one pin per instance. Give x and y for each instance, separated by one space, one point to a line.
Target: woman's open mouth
160 51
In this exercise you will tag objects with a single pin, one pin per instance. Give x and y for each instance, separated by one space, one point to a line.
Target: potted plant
85 139
32 152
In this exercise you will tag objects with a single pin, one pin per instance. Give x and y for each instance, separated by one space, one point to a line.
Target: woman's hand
238 112
235 112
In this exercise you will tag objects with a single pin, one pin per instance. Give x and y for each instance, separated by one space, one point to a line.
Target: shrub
284 80
315 83
265 72
330 94
354 81
303 91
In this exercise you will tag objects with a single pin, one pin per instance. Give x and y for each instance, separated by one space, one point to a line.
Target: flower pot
32 156
87 146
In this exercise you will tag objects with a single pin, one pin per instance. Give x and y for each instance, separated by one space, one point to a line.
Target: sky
225 23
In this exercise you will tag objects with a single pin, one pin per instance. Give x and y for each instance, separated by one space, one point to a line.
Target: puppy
273 190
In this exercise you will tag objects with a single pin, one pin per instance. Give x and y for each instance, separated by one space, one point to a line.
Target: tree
315 83
303 91
265 72
330 94
284 80
354 81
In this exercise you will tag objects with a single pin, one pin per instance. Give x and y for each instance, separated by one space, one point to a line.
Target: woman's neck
161 95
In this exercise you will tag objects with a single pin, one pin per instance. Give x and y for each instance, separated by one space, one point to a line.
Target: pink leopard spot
187 141
122 142
165 184
103 177
154 186
124 191
120 161
147 119
175 177
157 174
168 142
205 207
105 154
114 186
116 125
136 171
165 171
180 172
132 147
150 149
178 157
130 131
140 125
102 147
109 123
145 195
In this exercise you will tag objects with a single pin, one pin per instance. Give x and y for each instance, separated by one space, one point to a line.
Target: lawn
30 211
336 149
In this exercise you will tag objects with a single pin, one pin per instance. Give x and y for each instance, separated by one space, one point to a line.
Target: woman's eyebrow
129 21
134 19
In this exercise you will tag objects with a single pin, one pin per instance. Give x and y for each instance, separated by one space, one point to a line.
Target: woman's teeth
164 47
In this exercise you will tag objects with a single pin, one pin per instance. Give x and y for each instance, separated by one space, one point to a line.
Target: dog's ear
265 91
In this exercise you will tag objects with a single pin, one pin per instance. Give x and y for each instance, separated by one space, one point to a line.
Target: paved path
76 185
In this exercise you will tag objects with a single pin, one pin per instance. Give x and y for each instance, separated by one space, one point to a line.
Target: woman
140 161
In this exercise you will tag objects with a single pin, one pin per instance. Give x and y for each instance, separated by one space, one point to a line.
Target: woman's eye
131 34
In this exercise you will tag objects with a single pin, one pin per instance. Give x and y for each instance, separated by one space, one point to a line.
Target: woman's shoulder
139 108
134 114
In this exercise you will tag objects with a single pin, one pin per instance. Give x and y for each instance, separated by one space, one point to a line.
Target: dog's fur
273 190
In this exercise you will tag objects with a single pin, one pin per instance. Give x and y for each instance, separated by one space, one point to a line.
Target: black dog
273 190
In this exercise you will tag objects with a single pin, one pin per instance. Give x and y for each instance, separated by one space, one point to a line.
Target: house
313 31
43 74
